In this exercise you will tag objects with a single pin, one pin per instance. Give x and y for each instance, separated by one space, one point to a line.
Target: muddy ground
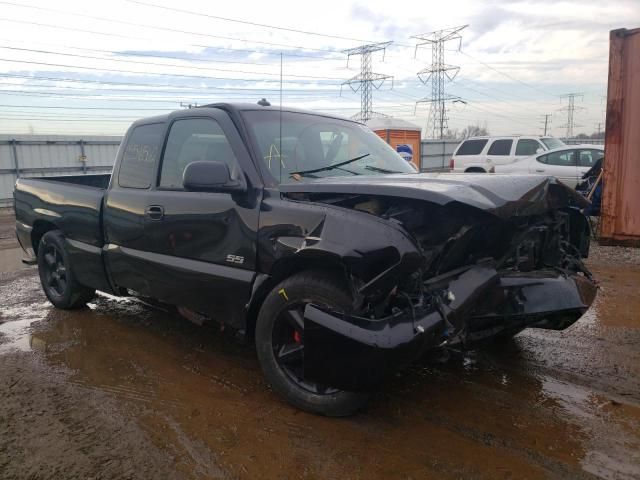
121 390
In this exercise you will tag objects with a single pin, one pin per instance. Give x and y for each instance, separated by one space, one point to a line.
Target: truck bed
71 203
97 181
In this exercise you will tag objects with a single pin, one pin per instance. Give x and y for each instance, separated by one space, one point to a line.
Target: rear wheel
280 342
58 281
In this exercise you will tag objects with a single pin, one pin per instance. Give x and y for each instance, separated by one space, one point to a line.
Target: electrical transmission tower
546 122
437 74
570 109
366 81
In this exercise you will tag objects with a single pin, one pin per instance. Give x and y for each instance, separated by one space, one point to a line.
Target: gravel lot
121 390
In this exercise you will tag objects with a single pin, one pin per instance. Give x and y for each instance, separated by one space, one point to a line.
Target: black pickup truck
310 236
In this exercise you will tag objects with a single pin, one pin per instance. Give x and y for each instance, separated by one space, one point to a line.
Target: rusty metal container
621 192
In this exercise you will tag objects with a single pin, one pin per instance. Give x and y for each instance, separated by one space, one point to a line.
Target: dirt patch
142 393
123 390
51 427
7 229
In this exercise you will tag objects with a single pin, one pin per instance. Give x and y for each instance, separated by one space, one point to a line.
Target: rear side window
140 156
565 158
500 147
527 147
588 158
471 147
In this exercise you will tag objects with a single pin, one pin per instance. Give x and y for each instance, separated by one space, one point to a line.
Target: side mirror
210 177
540 150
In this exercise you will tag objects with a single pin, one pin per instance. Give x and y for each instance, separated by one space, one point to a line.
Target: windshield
308 146
552 143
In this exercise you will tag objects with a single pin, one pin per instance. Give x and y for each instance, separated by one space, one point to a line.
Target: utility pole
188 105
570 109
546 116
437 74
599 128
366 81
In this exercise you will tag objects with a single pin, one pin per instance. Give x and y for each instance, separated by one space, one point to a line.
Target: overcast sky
93 67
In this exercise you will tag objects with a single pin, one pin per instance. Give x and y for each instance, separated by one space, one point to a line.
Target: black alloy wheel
56 275
55 271
280 342
288 348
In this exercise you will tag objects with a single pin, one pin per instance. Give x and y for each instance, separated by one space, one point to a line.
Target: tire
58 282
281 316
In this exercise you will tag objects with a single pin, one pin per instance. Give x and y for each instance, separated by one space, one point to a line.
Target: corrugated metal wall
46 155
436 154
621 191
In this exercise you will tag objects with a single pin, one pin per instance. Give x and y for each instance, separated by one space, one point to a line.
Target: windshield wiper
378 169
330 167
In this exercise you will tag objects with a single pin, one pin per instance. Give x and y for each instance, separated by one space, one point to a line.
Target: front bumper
356 353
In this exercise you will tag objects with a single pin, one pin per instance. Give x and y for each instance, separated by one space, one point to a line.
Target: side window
195 140
500 147
588 158
471 147
565 158
140 156
527 146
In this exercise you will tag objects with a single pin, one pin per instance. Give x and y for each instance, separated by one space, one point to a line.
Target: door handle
154 212
540 170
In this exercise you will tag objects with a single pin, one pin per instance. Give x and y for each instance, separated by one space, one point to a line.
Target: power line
132 53
62 120
191 67
89 108
366 81
130 37
494 110
182 75
124 98
435 74
599 128
246 22
506 74
140 84
494 113
166 29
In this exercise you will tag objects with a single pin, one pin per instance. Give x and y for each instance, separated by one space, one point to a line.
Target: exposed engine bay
479 275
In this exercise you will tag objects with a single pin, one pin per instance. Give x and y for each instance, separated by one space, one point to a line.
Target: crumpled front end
482 276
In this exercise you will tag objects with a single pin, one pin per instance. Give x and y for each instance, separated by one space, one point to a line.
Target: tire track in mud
51 428
550 405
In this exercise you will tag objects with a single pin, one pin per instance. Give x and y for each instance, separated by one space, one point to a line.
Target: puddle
546 405
11 259
598 415
15 329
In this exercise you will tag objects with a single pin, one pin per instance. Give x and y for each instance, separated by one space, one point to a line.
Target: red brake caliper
296 336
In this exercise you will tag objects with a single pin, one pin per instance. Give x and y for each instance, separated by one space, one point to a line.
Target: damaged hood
502 195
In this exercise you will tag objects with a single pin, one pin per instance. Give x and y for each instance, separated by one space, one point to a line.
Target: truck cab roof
233 108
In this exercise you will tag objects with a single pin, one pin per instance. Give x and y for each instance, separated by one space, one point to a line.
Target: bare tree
474 131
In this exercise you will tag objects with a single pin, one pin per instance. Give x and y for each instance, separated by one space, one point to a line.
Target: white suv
482 154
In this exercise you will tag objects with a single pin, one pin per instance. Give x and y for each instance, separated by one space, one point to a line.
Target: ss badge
235 259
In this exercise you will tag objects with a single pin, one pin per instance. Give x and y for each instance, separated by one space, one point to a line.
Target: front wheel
280 343
58 282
